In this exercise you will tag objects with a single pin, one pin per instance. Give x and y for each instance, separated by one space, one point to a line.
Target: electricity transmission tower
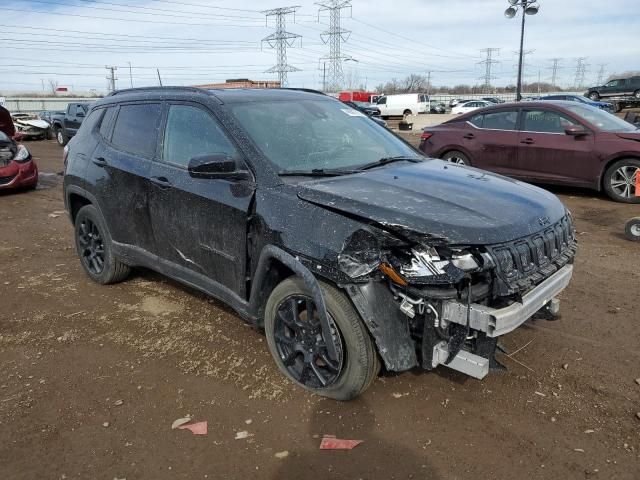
280 40
525 54
111 78
334 37
554 70
601 74
581 70
488 62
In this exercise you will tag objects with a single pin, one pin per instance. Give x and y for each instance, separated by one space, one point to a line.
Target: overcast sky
198 41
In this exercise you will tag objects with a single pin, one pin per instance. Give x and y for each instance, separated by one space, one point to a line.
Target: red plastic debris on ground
330 442
198 428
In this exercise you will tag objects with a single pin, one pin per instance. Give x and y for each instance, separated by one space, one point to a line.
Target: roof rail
308 90
152 89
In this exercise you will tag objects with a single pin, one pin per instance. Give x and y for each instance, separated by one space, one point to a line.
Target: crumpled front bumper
499 321
17 175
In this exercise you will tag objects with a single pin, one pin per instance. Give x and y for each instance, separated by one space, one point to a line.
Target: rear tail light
426 136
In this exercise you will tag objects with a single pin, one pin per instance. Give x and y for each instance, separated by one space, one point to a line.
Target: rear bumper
499 321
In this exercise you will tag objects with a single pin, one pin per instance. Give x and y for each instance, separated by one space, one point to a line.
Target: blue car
577 98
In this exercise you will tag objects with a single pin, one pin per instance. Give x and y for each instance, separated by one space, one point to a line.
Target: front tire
94 247
61 138
637 94
299 347
594 96
454 156
632 230
620 180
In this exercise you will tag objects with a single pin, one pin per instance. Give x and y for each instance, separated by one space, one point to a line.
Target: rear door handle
528 141
100 161
469 136
162 182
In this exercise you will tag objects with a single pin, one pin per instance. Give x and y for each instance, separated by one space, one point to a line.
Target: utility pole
488 62
554 70
334 37
429 83
601 74
130 75
111 78
280 40
581 69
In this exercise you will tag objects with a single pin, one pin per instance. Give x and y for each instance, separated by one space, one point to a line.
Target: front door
547 153
493 144
199 224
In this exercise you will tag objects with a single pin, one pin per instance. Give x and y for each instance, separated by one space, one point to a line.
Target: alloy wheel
59 137
302 346
456 159
91 246
623 181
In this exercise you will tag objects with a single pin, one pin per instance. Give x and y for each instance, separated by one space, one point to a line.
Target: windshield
317 135
601 119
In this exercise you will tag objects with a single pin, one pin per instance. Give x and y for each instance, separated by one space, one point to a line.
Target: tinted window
382 100
136 129
500 120
105 125
91 121
476 120
601 119
613 83
545 121
191 132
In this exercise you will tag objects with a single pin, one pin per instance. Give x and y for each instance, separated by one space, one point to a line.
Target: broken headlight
425 265
22 155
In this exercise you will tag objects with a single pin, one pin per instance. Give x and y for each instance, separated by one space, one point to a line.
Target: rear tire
594 96
619 180
454 156
95 249
632 230
357 365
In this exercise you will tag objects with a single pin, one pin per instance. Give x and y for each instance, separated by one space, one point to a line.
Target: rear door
199 224
119 168
492 140
547 154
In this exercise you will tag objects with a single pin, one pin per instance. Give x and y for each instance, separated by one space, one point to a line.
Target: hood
630 136
34 123
461 204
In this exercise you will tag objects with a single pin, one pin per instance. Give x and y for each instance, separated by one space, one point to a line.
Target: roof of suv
226 95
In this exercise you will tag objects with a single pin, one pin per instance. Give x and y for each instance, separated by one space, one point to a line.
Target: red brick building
242 83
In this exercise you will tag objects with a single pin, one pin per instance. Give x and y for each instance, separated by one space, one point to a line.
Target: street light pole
528 7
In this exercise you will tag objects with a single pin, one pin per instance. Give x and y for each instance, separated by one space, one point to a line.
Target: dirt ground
92 377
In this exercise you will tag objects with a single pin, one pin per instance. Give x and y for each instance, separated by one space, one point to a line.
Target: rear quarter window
90 122
136 128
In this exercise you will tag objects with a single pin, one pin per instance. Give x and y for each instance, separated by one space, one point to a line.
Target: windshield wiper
316 172
387 160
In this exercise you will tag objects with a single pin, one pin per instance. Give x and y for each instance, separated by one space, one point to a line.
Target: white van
403 104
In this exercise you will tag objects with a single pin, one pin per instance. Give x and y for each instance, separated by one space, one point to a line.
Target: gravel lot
92 377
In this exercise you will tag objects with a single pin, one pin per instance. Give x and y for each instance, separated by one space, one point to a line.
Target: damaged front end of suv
429 303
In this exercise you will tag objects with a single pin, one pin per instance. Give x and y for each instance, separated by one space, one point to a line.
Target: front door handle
527 141
162 182
469 136
100 161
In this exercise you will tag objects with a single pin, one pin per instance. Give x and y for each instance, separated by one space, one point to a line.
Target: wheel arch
611 161
455 148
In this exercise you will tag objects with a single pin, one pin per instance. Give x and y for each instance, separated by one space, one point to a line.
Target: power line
488 63
334 37
280 40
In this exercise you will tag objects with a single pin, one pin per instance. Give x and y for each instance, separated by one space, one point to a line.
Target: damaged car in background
31 126
345 244
17 167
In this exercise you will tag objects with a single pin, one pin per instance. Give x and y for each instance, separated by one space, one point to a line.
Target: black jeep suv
343 242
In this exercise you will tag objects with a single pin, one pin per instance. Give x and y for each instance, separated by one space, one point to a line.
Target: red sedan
17 168
557 142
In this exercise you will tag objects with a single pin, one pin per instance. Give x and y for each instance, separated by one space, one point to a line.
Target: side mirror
217 165
576 131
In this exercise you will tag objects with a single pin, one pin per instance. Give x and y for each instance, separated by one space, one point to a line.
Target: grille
6 180
526 262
